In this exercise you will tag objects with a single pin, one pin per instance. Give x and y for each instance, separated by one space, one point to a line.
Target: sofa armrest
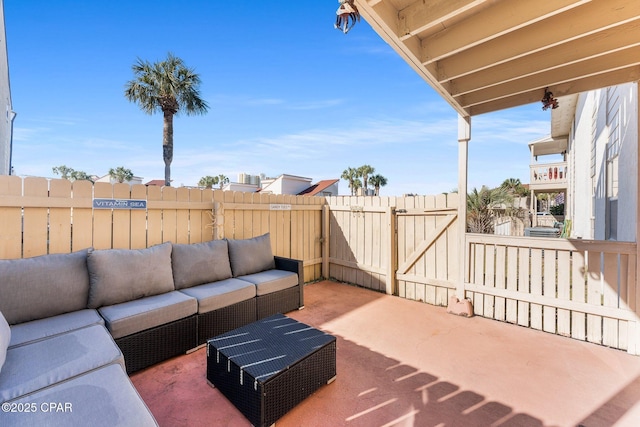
295 266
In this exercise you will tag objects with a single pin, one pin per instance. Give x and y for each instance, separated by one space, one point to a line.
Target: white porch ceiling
488 55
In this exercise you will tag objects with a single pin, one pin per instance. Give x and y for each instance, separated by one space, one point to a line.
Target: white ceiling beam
423 15
583 69
587 48
494 21
585 20
612 78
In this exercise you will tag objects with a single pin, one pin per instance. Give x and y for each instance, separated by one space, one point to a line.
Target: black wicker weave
278 302
224 319
154 345
268 367
295 266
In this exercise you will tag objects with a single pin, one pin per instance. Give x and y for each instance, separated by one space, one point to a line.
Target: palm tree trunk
167 146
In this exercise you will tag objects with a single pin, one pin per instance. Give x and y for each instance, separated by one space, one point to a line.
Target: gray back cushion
121 275
249 256
5 339
200 263
43 286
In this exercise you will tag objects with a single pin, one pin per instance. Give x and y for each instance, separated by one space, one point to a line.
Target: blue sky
287 94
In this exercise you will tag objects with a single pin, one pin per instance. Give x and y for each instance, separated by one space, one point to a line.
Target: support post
634 327
326 217
392 258
464 135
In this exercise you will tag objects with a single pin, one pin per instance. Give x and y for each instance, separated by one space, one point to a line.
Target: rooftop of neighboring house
318 188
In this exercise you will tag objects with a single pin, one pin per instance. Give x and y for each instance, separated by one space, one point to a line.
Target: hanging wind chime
348 14
548 101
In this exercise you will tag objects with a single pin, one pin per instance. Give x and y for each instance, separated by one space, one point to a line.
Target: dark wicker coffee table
268 367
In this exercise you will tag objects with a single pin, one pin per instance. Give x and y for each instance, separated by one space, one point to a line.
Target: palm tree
351 176
481 206
65 172
208 181
377 181
222 180
81 176
168 87
364 171
121 174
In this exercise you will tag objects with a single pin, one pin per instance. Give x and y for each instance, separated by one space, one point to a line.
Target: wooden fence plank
35 219
121 219
500 308
82 220
549 289
196 226
564 291
138 219
182 217
512 284
610 333
169 216
11 219
102 218
154 217
578 294
59 218
530 281
594 296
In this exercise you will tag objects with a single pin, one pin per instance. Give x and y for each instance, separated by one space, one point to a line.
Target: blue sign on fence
119 204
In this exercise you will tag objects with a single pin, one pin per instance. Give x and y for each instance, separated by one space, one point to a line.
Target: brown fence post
392 256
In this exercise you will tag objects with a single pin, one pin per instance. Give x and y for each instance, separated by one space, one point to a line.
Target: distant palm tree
168 87
121 174
81 176
208 181
377 181
514 187
351 176
222 180
64 171
481 205
364 171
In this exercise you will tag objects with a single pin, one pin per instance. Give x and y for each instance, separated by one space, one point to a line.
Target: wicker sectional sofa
72 326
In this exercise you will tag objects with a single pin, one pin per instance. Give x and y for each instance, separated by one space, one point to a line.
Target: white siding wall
628 163
6 110
579 166
588 180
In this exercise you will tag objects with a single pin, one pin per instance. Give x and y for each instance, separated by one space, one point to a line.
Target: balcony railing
548 176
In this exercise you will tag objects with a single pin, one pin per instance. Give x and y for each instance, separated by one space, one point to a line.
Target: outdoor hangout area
136 305
398 357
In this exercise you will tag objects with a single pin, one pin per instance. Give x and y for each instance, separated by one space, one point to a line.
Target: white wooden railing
584 289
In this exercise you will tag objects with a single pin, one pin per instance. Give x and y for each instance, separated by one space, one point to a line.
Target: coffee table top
268 346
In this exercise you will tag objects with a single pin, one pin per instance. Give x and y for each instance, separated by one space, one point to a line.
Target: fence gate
406 246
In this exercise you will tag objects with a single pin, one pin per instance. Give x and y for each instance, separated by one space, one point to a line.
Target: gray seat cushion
271 281
36 330
200 263
120 275
248 256
135 316
5 339
32 367
212 296
104 397
43 286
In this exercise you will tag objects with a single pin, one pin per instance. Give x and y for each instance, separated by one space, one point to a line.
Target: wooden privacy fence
295 224
584 289
40 216
406 246
402 245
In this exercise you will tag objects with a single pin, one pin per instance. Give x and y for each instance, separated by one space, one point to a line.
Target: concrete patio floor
404 363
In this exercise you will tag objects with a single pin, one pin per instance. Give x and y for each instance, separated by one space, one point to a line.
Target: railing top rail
554 243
